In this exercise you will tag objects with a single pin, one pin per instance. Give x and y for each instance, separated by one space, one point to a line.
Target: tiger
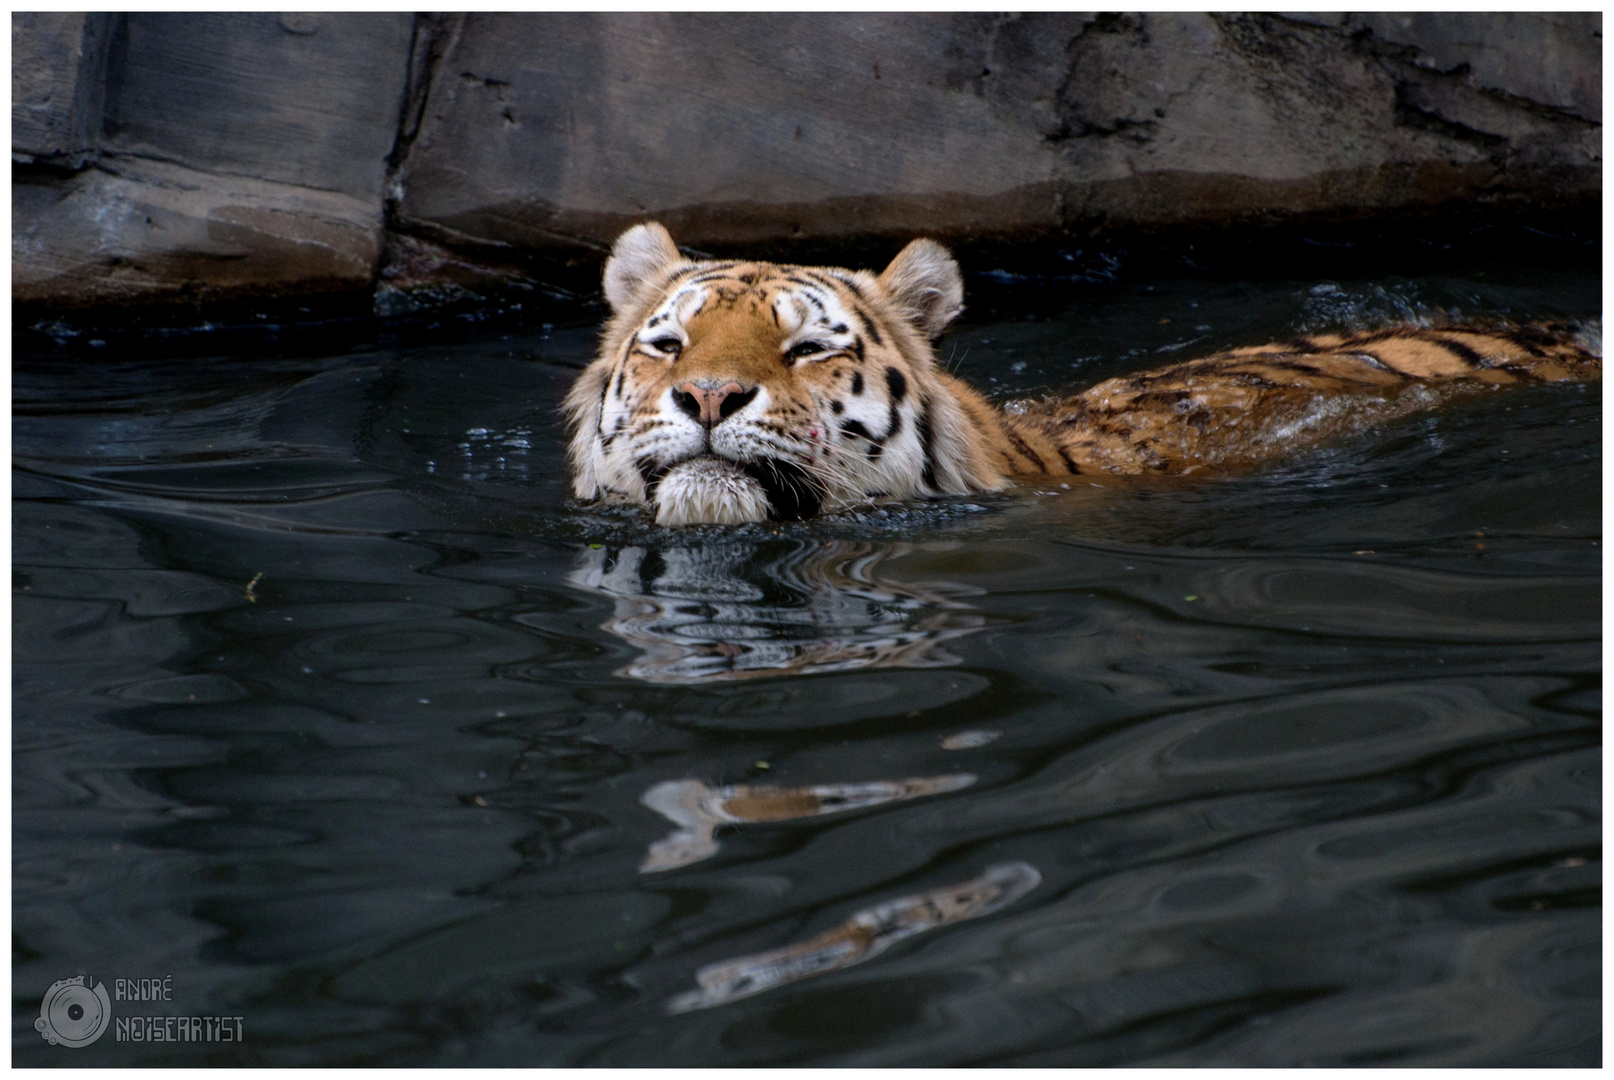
728 391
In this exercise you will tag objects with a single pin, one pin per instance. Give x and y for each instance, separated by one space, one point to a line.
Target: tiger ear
637 257
925 283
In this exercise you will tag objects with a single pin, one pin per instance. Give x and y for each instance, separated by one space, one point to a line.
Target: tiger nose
712 405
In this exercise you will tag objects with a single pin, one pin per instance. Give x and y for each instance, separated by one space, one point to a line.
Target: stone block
306 99
230 156
159 232
557 130
56 92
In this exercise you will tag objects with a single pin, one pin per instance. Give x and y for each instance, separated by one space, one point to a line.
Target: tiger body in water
729 391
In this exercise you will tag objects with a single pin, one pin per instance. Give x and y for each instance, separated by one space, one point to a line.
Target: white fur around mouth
709 490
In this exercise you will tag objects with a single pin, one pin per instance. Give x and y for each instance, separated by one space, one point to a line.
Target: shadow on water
330 706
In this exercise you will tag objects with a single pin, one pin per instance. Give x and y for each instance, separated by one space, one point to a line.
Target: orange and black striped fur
729 391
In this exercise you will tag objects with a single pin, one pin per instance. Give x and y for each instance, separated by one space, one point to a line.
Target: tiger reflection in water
732 610
727 611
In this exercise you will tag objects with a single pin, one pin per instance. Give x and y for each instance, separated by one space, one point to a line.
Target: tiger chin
727 391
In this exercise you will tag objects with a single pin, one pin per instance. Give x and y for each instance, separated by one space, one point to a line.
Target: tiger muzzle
710 402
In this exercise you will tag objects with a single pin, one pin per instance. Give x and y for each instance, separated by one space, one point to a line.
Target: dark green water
1297 768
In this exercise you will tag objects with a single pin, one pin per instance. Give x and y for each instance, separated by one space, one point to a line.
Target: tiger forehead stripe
835 281
703 268
856 303
828 317
673 313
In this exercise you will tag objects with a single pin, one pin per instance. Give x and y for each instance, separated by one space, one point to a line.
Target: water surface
330 705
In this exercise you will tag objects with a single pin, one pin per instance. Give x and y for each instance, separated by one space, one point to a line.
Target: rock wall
194 156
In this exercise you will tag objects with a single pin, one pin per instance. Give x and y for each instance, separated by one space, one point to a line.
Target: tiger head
729 392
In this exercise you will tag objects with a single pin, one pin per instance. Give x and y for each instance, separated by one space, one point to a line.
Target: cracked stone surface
737 129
